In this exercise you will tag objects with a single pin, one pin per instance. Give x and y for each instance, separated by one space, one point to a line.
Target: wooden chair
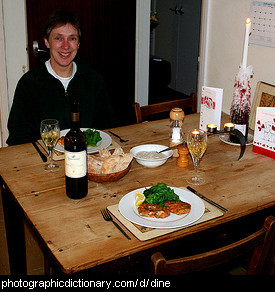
145 111
260 241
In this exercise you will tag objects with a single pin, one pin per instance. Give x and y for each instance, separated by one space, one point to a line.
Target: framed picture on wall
264 97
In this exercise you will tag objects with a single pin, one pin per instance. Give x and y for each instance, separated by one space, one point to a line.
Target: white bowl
151 147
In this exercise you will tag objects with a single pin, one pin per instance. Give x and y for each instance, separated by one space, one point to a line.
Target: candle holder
211 128
229 128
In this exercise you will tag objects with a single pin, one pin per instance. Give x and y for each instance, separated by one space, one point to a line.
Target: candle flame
248 20
211 126
229 125
195 132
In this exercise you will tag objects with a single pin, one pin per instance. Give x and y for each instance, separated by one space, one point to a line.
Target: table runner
146 233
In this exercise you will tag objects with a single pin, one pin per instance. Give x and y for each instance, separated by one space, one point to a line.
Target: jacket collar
41 71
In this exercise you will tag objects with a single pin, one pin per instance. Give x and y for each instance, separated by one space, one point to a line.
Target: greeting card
211 107
264 135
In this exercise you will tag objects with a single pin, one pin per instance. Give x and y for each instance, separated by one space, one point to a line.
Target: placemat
146 233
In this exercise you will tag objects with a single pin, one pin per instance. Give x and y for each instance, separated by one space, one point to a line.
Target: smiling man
63 39
46 91
63 43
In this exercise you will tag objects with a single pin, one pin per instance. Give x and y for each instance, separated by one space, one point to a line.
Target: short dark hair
62 17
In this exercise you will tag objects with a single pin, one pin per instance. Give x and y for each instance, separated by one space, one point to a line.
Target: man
46 91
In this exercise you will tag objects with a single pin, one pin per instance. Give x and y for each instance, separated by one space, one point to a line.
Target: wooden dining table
73 235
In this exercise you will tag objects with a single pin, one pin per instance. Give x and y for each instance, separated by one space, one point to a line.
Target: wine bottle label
75 164
75 117
241 128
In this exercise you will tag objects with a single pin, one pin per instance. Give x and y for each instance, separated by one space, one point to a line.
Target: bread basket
110 177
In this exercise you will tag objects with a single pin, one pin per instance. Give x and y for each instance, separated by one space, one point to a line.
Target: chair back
260 242
145 111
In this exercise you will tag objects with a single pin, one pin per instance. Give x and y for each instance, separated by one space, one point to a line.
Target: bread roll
110 164
94 164
124 161
104 153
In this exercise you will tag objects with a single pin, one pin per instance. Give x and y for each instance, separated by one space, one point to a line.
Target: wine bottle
75 146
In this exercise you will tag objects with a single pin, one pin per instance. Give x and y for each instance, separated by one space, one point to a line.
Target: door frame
203 51
142 58
142 51
4 109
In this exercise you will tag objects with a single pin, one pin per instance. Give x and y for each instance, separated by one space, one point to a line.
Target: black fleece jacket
40 96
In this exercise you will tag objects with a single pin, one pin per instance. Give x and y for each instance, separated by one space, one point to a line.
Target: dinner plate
225 139
104 143
128 209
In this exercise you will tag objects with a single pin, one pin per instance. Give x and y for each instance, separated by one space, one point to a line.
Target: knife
121 140
207 200
172 147
42 155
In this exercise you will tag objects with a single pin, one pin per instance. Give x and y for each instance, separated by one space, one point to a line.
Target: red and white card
264 135
211 107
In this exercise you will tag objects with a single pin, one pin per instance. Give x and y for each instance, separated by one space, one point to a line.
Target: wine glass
50 132
197 144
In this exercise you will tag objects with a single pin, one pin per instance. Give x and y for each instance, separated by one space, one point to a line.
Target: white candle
245 49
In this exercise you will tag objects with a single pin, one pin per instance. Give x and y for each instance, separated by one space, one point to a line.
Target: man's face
63 44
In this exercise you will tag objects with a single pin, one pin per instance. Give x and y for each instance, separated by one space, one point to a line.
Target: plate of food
95 138
161 206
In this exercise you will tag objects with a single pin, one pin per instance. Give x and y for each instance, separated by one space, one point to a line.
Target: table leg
14 232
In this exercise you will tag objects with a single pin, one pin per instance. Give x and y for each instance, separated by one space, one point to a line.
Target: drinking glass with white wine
50 132
197 144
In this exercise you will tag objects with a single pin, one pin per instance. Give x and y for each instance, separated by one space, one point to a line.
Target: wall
225 47
13 23
14 20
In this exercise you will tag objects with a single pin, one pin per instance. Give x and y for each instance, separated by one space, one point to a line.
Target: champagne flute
197 144
50 132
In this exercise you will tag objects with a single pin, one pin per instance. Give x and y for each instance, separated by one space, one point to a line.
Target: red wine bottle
75 146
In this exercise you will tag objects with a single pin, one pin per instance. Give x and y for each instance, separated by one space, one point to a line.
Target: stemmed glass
50 132
197 144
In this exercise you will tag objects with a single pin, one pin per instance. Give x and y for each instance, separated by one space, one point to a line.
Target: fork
107 217
120 139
